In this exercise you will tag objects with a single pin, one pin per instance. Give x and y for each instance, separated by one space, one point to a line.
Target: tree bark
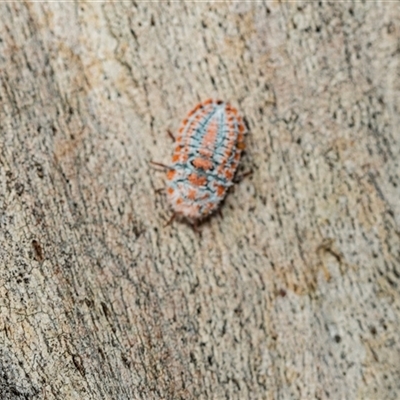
294 293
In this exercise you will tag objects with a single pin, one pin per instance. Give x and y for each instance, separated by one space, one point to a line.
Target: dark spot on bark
105 309
125 360
133 34
19 188
337 339
39 170
237 310
77 360
101 352
89 302
38 251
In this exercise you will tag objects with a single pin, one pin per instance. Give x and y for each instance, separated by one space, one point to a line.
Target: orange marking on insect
220 190
210 136
170 174
192 194
205 152
202 163
197 180
229 174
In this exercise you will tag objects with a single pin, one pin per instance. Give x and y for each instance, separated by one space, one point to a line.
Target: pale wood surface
293 294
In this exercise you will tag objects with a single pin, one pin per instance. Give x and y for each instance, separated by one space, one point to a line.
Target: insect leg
239 178
170 221
170 134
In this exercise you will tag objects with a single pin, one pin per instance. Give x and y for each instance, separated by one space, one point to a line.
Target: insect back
206 155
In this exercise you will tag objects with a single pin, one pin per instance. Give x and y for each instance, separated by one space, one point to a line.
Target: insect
207 151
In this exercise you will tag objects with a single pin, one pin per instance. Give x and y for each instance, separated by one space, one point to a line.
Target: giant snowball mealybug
206 155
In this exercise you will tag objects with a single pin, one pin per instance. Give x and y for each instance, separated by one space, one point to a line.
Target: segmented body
206 155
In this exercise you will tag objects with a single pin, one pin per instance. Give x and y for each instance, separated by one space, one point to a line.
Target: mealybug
206 155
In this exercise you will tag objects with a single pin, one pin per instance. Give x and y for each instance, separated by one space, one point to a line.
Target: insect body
206 155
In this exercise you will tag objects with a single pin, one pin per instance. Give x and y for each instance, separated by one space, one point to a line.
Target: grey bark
292 294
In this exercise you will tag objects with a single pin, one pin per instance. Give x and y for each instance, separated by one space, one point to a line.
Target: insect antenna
161 165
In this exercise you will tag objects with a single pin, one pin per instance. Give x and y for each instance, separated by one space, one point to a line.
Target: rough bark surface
293 294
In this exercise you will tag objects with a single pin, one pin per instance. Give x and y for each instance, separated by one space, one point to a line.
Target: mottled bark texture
294 293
